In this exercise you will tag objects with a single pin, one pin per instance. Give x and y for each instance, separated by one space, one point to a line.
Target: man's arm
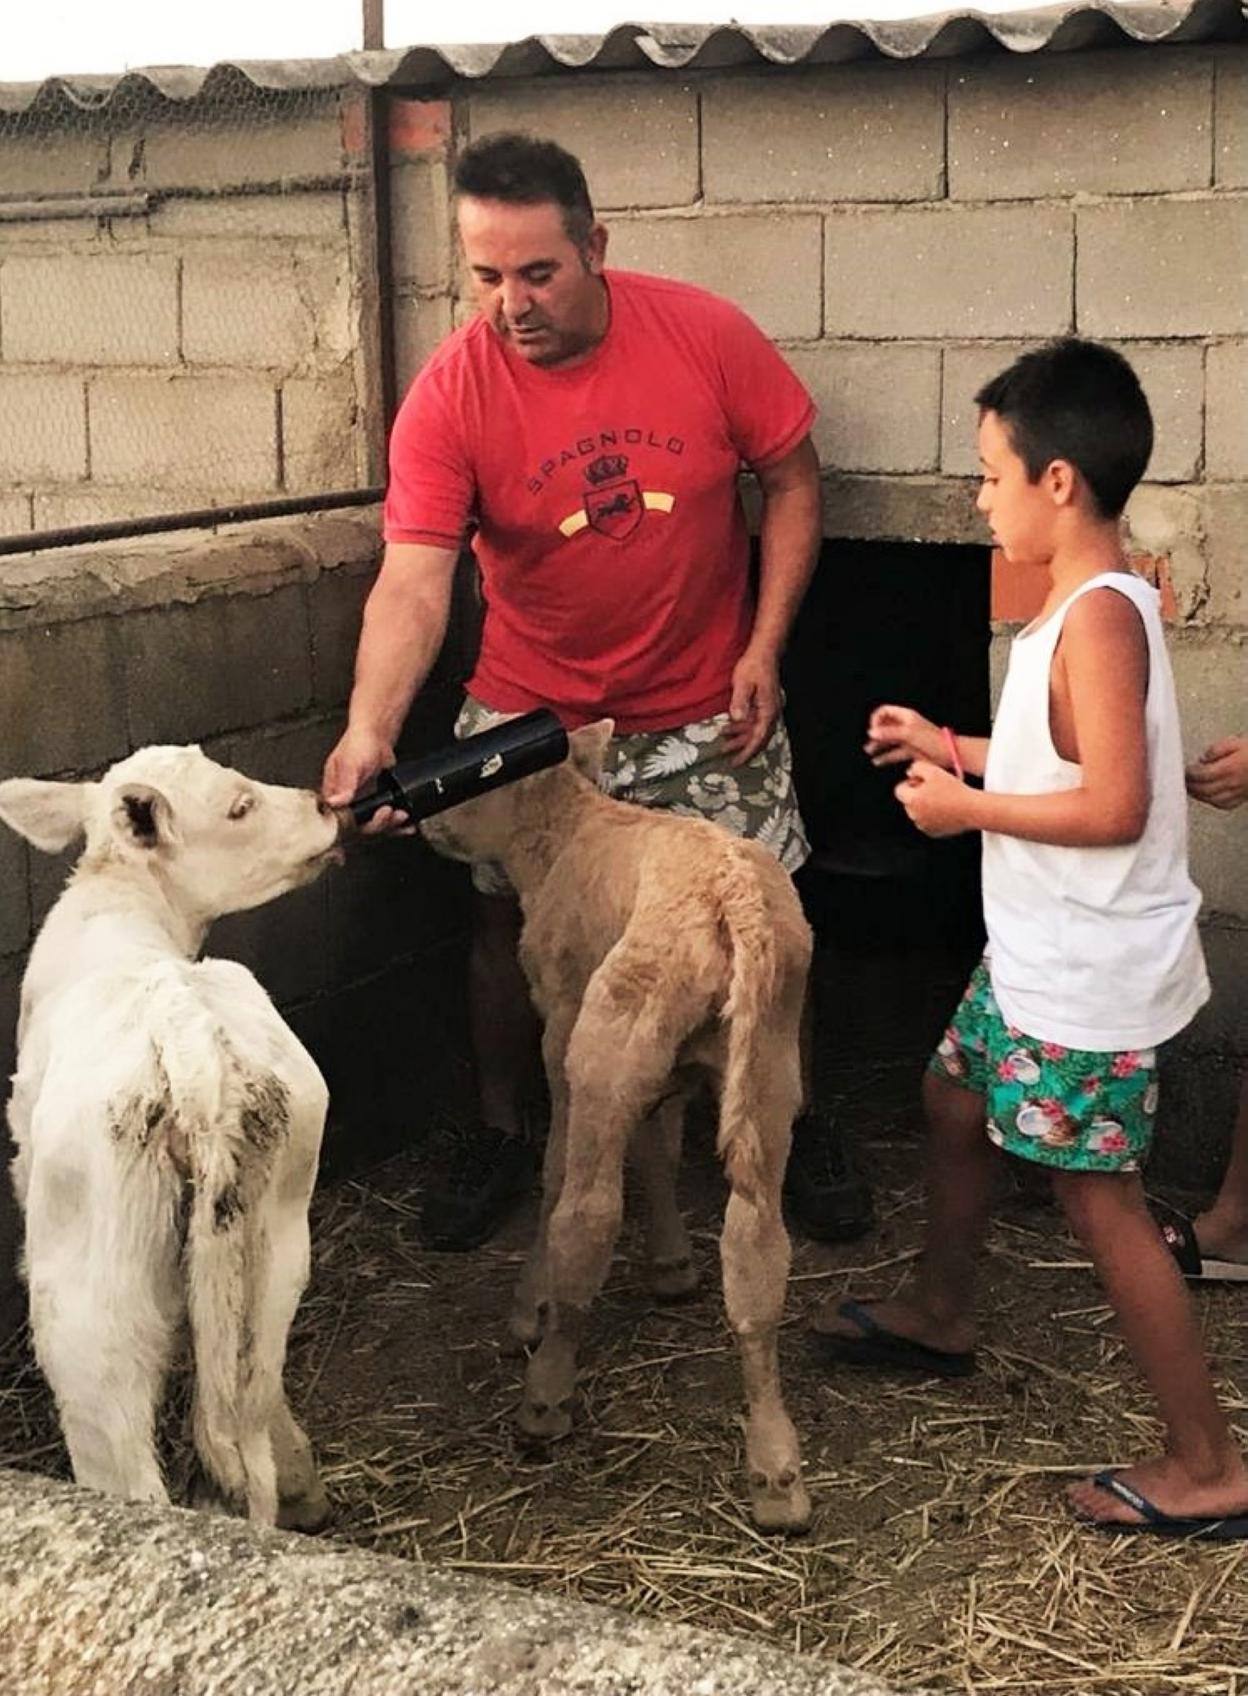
404 624
1104 657
789 535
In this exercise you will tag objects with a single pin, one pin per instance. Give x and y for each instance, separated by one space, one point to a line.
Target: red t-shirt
610 535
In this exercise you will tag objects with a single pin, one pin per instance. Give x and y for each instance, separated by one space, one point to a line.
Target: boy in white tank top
1093 954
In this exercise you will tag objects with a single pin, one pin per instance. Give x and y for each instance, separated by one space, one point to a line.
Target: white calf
167 1124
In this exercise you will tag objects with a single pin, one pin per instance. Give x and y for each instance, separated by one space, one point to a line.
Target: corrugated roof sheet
676 47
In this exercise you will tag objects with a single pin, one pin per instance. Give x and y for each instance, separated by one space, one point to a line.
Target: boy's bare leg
1201 1472
937 1305
1222 1229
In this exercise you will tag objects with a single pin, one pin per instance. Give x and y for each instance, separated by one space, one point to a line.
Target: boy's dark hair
1079 401
524 170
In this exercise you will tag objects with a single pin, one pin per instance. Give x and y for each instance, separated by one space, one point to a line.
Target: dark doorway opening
897 916
906 622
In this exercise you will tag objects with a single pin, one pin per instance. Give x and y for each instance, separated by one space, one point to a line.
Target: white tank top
1092 948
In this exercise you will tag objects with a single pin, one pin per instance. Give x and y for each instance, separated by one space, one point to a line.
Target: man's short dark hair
1079 401
524 170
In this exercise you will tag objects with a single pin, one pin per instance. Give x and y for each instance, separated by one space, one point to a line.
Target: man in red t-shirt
591 425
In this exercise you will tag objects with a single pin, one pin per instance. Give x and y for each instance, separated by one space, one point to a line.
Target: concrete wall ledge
101 1597
183 567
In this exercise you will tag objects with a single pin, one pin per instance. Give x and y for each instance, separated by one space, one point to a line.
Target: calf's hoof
545 1420
781 1504
206 1496
672 1280
524 1329
309 1512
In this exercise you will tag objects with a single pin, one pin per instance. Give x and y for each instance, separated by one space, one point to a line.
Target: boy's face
1021 514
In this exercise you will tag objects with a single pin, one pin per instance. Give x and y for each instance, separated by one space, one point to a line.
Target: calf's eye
241 806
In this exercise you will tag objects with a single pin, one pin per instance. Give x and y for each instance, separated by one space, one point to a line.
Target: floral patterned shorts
1073 1108
686 771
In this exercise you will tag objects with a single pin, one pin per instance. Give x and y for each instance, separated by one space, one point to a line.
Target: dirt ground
941 1554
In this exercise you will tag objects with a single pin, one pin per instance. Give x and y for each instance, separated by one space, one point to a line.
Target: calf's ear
51 815
587 747
142 817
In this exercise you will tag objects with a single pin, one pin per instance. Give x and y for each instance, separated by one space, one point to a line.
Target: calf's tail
232 1121
746 1012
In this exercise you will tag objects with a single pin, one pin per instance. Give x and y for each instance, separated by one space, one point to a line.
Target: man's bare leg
484 1168
828 1200
503 1028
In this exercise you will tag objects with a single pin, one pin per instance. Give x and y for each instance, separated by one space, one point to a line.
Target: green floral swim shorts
1074 1108
686 771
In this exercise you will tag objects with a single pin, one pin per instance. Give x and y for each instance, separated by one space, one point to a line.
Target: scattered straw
941 1556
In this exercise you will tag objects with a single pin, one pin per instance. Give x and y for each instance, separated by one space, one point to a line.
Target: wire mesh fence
188 299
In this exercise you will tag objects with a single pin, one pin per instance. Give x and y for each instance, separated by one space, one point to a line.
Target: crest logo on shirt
613 504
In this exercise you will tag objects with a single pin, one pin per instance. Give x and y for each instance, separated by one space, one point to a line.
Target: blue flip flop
885 1349
1230 1529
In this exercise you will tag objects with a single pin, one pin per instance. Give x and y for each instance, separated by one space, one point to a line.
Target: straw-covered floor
941 1554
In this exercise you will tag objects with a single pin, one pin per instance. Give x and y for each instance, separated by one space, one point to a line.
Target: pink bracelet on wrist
951 742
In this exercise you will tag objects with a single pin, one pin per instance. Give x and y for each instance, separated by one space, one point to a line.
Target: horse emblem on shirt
614 503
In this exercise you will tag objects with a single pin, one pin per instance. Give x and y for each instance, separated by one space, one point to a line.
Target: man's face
540 291
1021 514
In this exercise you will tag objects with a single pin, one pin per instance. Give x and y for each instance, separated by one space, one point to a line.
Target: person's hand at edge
1220 777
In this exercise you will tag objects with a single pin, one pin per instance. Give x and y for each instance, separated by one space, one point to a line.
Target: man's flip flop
880 1347
1179 1235
1230 1529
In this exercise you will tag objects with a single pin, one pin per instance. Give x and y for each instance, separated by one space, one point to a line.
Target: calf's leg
655 1154
530 1298
755 1254
618 1057
580 1239
754 1249
301 1501
105 1298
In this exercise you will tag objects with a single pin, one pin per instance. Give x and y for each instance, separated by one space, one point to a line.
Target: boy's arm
1103 671
973 752
897 734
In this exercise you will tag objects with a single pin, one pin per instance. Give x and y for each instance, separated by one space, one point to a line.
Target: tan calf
656 946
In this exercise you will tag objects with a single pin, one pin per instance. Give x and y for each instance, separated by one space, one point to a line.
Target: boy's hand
897 734
936 802
1220 776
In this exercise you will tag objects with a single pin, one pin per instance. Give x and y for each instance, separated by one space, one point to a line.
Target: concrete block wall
185 300
244 642
904 229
